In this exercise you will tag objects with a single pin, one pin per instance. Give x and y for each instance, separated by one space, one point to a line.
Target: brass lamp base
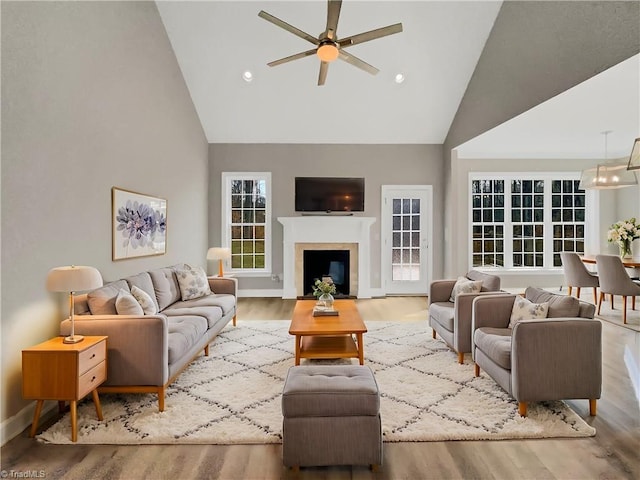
73 339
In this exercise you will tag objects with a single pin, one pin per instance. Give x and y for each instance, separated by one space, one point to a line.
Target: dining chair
615 280
577 275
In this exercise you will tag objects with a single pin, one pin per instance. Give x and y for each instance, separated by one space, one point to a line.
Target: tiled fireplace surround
326 232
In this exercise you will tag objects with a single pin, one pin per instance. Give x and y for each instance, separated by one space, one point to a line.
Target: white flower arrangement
624 232
627 230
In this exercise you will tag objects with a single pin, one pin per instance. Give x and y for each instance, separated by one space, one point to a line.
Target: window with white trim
246 220
524 221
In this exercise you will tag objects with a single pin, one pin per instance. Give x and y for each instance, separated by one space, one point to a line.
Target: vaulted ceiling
215 42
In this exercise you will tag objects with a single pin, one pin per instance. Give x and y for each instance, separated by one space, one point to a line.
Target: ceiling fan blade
289 28
356 62
370 35
324 68
333 14
292 57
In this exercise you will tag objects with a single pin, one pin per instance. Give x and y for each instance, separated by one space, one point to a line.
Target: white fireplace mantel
326 229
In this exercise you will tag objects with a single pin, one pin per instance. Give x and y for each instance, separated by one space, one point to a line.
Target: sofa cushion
442 313
490 283
559 305
126 304
211 313
495 343
193 282
102 301
144 283
226 302
146 301
184 332
464 285
524 309
165 286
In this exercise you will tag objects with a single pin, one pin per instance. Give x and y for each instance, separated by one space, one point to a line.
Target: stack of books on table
322 311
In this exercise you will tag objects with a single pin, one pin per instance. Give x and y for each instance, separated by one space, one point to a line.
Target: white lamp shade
74 278
218 253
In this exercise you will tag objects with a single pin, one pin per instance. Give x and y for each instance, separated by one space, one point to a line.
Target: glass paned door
406 217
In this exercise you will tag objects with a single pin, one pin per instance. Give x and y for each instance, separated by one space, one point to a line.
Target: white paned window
246 221
524 221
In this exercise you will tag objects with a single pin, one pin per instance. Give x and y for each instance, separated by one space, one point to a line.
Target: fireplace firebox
320 264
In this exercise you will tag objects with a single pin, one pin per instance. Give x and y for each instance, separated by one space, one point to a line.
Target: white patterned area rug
233 396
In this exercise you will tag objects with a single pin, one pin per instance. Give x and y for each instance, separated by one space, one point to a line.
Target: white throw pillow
464 285
193 282
524 309
126 304
145 301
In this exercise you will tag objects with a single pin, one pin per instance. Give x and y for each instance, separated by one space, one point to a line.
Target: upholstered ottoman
331 416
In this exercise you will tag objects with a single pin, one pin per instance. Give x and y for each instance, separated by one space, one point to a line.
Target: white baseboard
271 292
13 426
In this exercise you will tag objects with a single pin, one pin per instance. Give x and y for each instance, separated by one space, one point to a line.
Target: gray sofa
452 320
146 352
554 358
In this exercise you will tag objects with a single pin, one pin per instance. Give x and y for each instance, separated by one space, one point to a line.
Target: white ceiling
216 41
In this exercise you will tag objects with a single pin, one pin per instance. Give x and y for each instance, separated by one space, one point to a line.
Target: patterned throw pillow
524 309
464 285
126 304
145 301
193 282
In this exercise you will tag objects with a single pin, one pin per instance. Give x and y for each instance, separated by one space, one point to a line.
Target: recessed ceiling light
247 76
399 78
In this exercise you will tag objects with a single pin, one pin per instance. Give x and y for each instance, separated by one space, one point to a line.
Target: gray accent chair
452 320
331 416
615 280
577 275
555 358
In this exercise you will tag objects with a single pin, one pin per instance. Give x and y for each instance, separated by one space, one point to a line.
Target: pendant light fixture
608 175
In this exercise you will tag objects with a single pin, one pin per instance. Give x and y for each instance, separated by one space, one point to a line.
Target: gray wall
378 164
535 51
92 97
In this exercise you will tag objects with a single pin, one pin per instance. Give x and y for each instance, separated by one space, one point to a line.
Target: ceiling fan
328 46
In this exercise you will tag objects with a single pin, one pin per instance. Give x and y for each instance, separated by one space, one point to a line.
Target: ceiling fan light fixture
247 76
399 78
327 52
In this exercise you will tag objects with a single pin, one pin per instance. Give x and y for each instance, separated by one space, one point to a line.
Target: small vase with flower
324 291
623 233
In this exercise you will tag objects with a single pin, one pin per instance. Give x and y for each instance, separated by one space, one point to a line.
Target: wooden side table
54 370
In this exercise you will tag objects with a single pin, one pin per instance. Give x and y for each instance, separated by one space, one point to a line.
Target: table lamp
220 254
73 279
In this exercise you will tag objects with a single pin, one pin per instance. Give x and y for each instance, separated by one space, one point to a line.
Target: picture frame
139 224
634 158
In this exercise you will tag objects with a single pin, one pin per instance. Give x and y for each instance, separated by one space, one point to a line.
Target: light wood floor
614 453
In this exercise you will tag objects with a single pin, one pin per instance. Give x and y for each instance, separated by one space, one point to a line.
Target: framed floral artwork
139 224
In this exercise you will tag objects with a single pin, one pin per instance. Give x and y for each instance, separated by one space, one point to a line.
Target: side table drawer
91 357
92 379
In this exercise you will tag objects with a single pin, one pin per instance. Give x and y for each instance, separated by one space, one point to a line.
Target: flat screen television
329 194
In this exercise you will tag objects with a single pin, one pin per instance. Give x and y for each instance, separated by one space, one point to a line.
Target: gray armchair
577 275
615 280
554 358
452 320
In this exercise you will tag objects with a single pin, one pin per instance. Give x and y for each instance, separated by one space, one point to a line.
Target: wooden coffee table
328 336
